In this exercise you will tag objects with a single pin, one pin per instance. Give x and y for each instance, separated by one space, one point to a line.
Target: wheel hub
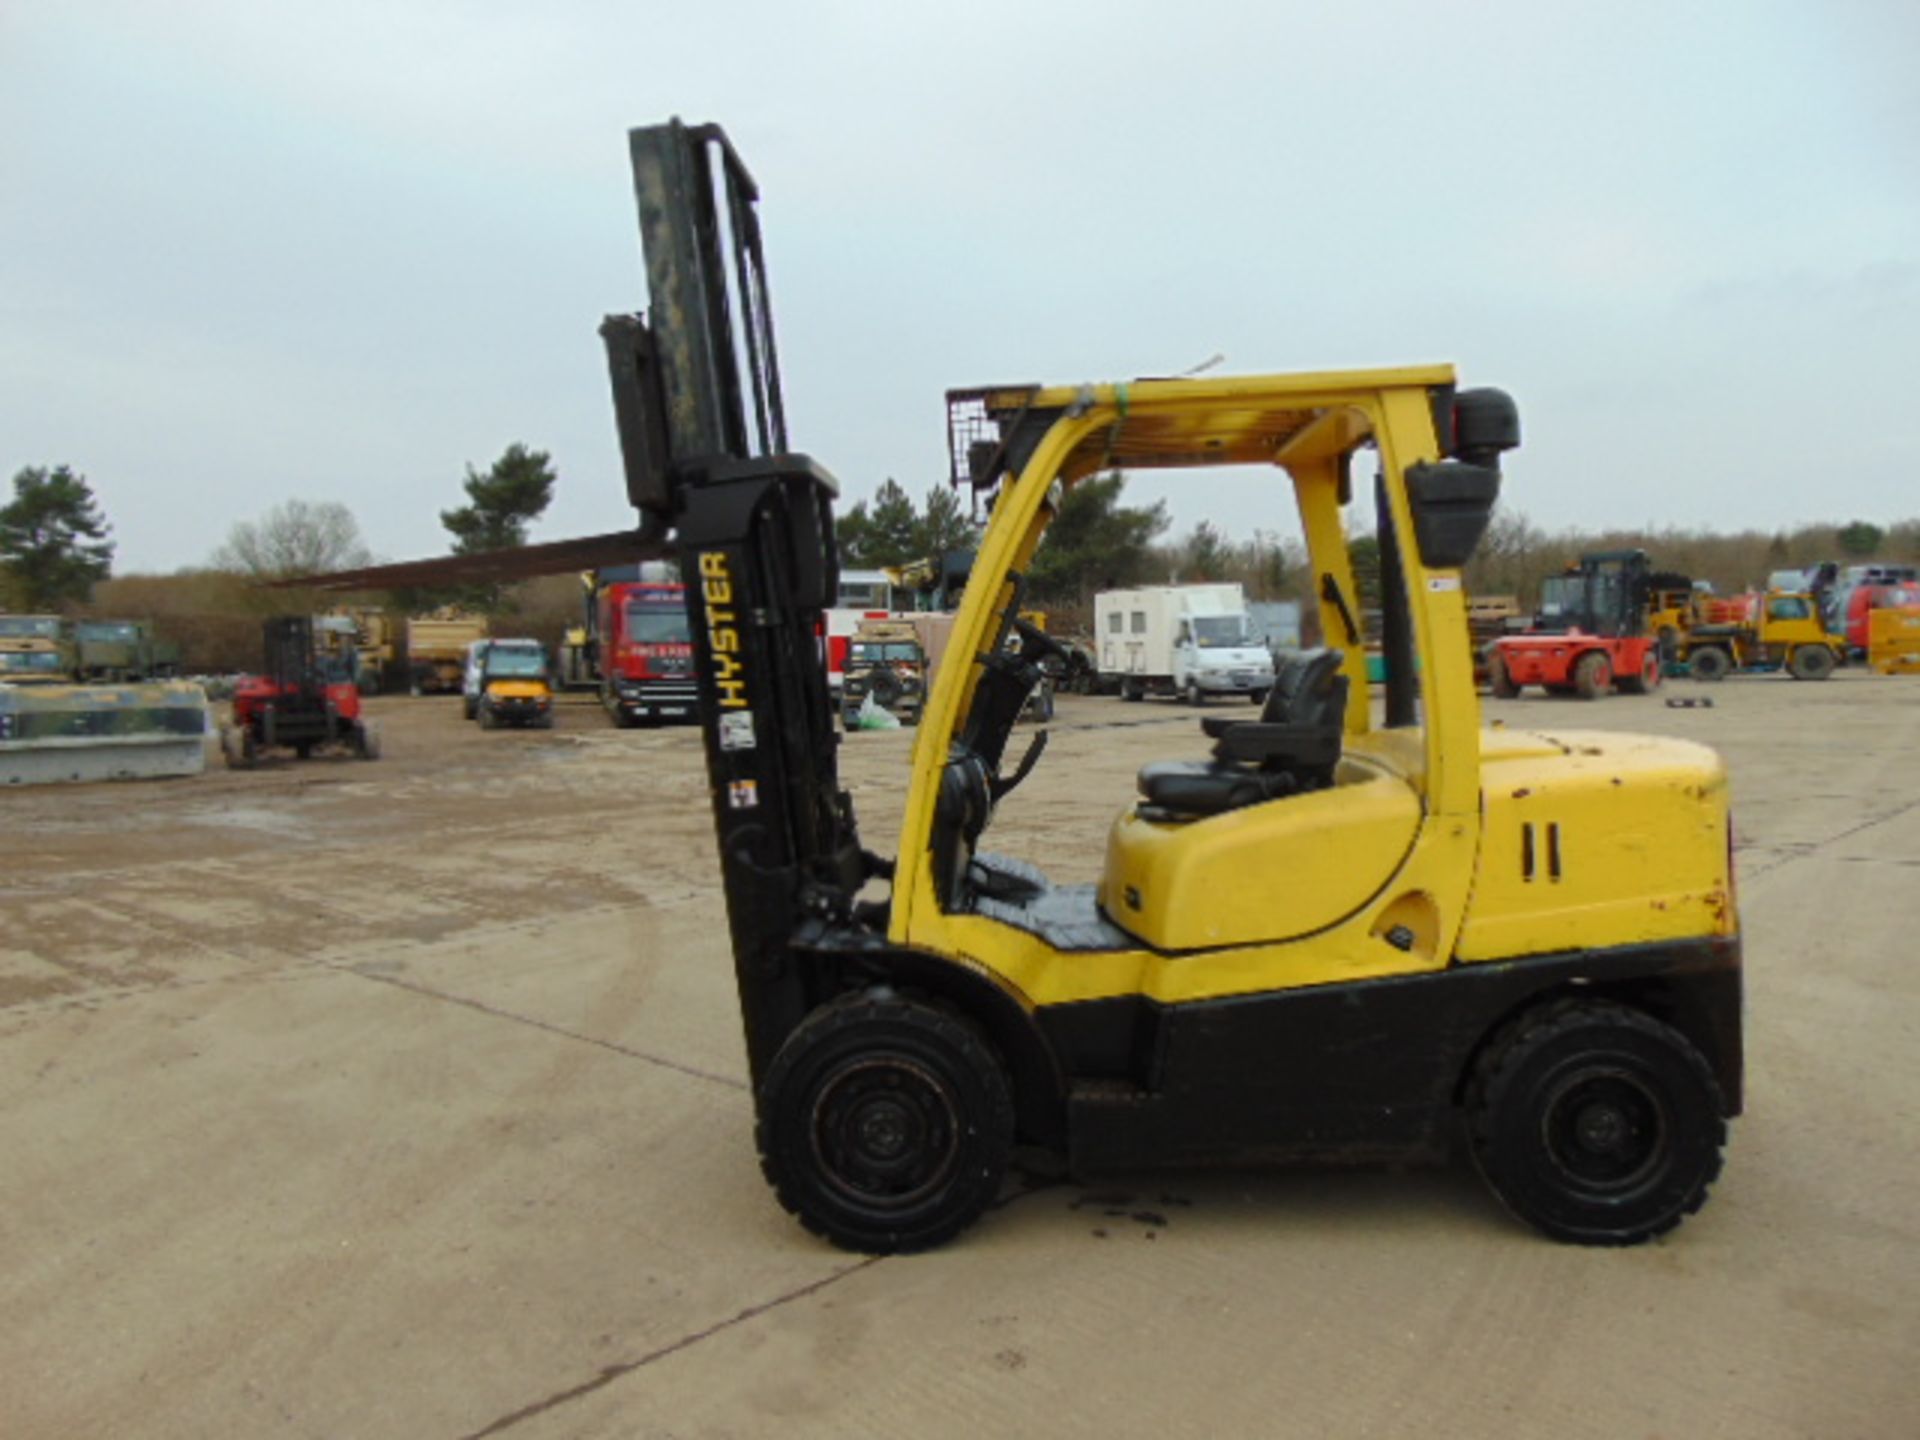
885 1131
1601 1128
1605 1131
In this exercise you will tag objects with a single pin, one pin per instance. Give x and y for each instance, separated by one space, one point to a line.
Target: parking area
408 1098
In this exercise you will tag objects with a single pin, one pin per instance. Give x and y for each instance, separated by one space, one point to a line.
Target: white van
1194 641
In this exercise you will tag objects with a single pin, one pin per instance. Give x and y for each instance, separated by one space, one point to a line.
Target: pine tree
502 503
53 538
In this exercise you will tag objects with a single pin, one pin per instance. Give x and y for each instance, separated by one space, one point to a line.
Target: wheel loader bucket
54 733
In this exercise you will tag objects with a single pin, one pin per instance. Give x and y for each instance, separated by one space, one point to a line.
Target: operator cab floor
1066 917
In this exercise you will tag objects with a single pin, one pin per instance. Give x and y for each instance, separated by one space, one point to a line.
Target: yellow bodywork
1411 861
519 689
1163 880
1596 840
1893 641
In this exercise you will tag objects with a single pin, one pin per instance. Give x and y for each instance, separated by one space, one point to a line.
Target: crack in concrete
614 1372
1791 851
548 1026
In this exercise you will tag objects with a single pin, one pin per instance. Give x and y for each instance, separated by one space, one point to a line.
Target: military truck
121 651
36 649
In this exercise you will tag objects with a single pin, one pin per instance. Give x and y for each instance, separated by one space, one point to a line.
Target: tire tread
1496 1063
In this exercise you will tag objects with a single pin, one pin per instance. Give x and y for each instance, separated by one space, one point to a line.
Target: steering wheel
1036 645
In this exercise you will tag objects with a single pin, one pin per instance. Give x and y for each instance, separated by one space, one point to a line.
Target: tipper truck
437 650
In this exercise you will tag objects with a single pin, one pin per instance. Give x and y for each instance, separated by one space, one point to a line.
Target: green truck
121 651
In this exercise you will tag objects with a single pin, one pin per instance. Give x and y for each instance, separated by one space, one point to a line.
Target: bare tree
294 538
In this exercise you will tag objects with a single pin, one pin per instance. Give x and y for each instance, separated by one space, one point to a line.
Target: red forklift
1590 635
304 700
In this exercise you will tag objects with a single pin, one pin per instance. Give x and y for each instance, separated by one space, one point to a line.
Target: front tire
1193 695
885 1124
1592 675
1811 662
1500 679
1710 665
1596 1124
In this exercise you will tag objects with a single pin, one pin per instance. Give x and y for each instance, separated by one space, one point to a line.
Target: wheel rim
1605 1131
885 1131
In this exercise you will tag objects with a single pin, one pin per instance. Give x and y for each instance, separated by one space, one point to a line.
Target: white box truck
1193 641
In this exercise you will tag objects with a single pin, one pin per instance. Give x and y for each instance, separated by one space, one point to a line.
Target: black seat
1292 747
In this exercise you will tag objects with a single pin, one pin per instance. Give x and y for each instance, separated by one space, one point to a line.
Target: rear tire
1595 1123
1500 679
1592 675
1811 662
885 1124
1710 665
1130 690
1647 681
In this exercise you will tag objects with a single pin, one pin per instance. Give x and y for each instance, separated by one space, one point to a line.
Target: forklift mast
291 663
697 402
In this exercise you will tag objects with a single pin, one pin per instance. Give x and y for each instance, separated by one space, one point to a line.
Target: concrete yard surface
408 1099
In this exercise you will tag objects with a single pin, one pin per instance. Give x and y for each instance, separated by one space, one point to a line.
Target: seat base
1195 788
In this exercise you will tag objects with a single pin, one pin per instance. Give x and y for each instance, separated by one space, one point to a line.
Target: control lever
998 787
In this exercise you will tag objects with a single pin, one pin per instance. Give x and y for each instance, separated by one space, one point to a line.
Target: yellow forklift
1321 933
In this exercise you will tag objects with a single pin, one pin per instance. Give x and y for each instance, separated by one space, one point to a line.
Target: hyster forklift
1326 933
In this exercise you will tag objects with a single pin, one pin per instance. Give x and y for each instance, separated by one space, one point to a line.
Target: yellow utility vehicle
514 684
1325 932
1769 631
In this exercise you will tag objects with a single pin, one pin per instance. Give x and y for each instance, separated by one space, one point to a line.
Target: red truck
645 651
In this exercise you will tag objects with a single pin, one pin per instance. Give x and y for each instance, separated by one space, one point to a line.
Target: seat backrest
1319 693
1288 666
1310 700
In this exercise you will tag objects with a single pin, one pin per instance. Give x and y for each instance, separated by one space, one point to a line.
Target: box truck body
1195 641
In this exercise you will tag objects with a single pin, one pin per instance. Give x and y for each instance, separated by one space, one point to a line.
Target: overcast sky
254 251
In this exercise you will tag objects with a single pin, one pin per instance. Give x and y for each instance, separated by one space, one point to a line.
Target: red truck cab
646 652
